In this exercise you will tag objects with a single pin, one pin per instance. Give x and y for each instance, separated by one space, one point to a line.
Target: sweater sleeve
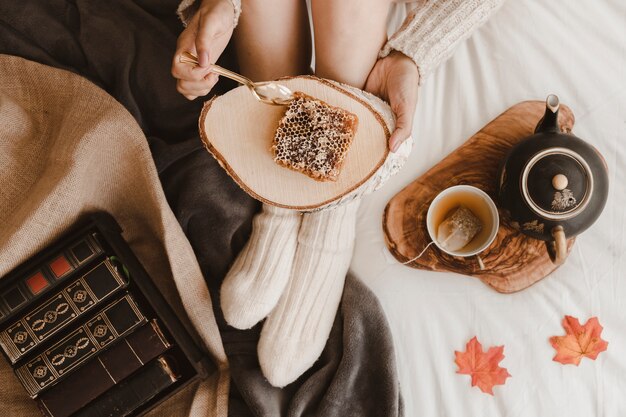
431 31
188 8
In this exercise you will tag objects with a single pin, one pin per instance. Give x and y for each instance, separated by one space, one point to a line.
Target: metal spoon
267 92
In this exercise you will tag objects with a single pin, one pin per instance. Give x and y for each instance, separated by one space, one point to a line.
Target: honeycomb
313 137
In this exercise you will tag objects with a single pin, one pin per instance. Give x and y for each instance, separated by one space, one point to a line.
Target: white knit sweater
187 8
433 29
429 34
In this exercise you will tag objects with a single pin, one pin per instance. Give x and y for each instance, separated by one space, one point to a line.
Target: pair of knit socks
292 271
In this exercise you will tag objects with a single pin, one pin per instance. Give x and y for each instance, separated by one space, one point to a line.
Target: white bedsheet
576 49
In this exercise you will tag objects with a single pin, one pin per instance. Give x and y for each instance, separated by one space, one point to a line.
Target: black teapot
553 185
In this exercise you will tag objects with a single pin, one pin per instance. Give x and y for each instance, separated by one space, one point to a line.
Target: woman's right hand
395 78
206 36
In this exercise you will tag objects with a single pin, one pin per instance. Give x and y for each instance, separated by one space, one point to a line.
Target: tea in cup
462 221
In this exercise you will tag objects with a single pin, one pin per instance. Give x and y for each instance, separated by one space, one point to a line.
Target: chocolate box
83 306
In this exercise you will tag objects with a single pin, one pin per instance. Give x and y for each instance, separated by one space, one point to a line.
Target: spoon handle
232 75
189 58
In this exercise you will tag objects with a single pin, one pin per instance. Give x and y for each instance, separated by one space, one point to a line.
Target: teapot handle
559 245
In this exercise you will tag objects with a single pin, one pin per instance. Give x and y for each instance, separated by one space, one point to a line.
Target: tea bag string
420 255
478 258
444 243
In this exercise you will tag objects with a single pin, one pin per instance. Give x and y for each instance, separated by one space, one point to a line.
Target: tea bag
458 229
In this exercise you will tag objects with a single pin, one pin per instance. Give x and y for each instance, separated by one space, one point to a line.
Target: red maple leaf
579 341
482 366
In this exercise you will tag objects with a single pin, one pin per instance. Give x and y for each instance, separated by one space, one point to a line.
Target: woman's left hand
395 79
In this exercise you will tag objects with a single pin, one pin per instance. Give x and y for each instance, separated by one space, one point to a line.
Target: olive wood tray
513 261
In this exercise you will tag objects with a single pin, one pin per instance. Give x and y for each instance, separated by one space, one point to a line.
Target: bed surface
530 48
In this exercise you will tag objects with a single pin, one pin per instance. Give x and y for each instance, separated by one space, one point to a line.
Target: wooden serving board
513 261
238 131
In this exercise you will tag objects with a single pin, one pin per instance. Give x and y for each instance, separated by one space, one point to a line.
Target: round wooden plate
238 131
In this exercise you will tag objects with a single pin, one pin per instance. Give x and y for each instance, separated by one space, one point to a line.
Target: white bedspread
577 50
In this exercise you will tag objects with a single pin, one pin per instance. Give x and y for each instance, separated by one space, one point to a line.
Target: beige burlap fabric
68 148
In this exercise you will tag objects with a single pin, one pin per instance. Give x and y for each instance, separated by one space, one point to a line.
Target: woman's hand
395 79
206 36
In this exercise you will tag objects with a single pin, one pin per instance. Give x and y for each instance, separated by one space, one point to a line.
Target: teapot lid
557 183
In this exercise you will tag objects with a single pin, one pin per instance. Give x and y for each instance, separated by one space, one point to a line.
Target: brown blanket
69 148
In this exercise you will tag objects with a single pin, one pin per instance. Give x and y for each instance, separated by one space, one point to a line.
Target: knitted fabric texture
260 273
432 30
187 8
296 331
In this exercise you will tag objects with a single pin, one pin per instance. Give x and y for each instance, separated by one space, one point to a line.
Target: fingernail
395 145
203 59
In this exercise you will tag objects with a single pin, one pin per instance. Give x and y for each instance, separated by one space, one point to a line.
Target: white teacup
479 203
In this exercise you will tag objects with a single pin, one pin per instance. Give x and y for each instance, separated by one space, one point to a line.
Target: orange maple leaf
482 366
579 341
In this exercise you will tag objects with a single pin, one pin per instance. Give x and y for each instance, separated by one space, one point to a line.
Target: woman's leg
273 39
348 36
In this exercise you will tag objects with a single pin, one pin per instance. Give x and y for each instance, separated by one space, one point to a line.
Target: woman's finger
186 43
402 131
188 72
186 87
212 24
403 104
192 89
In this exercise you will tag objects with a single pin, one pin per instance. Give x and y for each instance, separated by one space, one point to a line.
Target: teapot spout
549 121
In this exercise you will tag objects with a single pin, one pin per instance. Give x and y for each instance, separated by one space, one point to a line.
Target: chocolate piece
60 266
314 137
37 283
98 282
82 251
104 371
134 391
59 311
14 298
111 324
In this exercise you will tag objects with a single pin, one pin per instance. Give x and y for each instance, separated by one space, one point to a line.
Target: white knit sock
296 331
258 276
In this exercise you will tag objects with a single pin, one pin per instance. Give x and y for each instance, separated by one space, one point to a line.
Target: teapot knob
559 182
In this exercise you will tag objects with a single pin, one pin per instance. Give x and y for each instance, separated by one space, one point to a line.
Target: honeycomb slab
314 137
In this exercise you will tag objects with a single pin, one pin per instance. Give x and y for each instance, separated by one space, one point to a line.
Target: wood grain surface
513 261
238 131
